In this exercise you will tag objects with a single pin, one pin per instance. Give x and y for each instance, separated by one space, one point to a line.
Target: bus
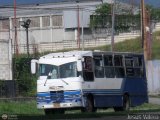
89 80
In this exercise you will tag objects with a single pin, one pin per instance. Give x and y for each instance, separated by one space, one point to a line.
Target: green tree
102 18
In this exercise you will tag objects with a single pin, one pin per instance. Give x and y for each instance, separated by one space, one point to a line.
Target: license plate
56 105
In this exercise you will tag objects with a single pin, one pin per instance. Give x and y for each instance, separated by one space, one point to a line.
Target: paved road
154 100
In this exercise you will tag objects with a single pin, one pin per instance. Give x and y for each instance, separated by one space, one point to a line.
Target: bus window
108 65
108 60
138 66
118 64
88 69
129 67
134 66
99 70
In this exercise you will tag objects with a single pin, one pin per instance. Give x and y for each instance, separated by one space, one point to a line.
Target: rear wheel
126 104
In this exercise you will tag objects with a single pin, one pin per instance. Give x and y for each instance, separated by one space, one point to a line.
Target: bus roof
68 54
85 53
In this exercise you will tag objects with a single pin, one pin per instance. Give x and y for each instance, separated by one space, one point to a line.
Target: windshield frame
62 71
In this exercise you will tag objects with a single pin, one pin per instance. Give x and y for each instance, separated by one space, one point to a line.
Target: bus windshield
56 72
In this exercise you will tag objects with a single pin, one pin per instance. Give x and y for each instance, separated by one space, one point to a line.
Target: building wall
153 76
5 57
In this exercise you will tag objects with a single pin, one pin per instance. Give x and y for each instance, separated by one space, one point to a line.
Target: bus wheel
126 103
59 111
48 111
89 105
117 109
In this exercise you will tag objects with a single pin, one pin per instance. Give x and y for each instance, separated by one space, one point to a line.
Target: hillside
134 45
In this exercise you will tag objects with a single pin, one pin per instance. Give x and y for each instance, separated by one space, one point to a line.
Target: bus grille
57 96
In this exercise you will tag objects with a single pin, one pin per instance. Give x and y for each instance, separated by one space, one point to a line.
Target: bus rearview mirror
33 66
79 65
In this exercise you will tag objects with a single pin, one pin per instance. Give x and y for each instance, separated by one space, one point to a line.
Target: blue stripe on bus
102 92
59 96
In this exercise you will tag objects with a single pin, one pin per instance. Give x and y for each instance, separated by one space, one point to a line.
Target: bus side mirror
79 65
33 66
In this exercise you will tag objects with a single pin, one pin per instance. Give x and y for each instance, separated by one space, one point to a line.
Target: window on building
99 69
88 74
17 23
45 21
57 20
35 21
4 24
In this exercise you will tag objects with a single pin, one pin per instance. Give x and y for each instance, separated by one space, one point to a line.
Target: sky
155 3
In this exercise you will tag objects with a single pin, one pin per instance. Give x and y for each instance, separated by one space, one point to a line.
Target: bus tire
53 111
48 111
126 104
59 111
89 105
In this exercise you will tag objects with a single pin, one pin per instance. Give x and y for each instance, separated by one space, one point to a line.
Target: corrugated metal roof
52 8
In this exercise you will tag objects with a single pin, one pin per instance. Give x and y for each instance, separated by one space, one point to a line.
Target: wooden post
144 32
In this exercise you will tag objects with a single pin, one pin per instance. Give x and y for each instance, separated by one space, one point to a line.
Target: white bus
89 80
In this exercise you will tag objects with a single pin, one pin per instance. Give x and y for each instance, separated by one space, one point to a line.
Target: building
62 24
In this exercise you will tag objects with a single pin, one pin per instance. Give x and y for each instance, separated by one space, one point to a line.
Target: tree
124 22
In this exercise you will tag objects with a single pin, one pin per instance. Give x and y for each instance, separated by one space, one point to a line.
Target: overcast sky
10 2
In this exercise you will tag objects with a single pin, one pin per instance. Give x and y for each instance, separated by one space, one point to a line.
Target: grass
23 107
29 109
134 45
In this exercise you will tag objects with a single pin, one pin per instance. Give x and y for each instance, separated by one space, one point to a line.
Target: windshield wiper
45 81
64 81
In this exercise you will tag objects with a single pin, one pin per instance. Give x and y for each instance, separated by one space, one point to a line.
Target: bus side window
138 66
108 66
129 67
99 70
88 69
119 68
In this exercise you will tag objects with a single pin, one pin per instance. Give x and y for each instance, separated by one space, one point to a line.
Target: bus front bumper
58 105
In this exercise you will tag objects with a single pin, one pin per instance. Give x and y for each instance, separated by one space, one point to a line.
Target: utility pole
78 22
82 32
15 26
113 20
144 37
26 26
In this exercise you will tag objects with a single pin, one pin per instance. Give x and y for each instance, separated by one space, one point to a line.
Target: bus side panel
137 90
108 100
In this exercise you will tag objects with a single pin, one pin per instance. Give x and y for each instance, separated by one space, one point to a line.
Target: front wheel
89 105
54 111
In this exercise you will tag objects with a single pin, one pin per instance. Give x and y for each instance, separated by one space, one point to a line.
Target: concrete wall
153 76
5 57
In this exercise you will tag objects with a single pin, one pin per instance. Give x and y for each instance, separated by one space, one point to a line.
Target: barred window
35 21
17 23
4 24
57 20
45 21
